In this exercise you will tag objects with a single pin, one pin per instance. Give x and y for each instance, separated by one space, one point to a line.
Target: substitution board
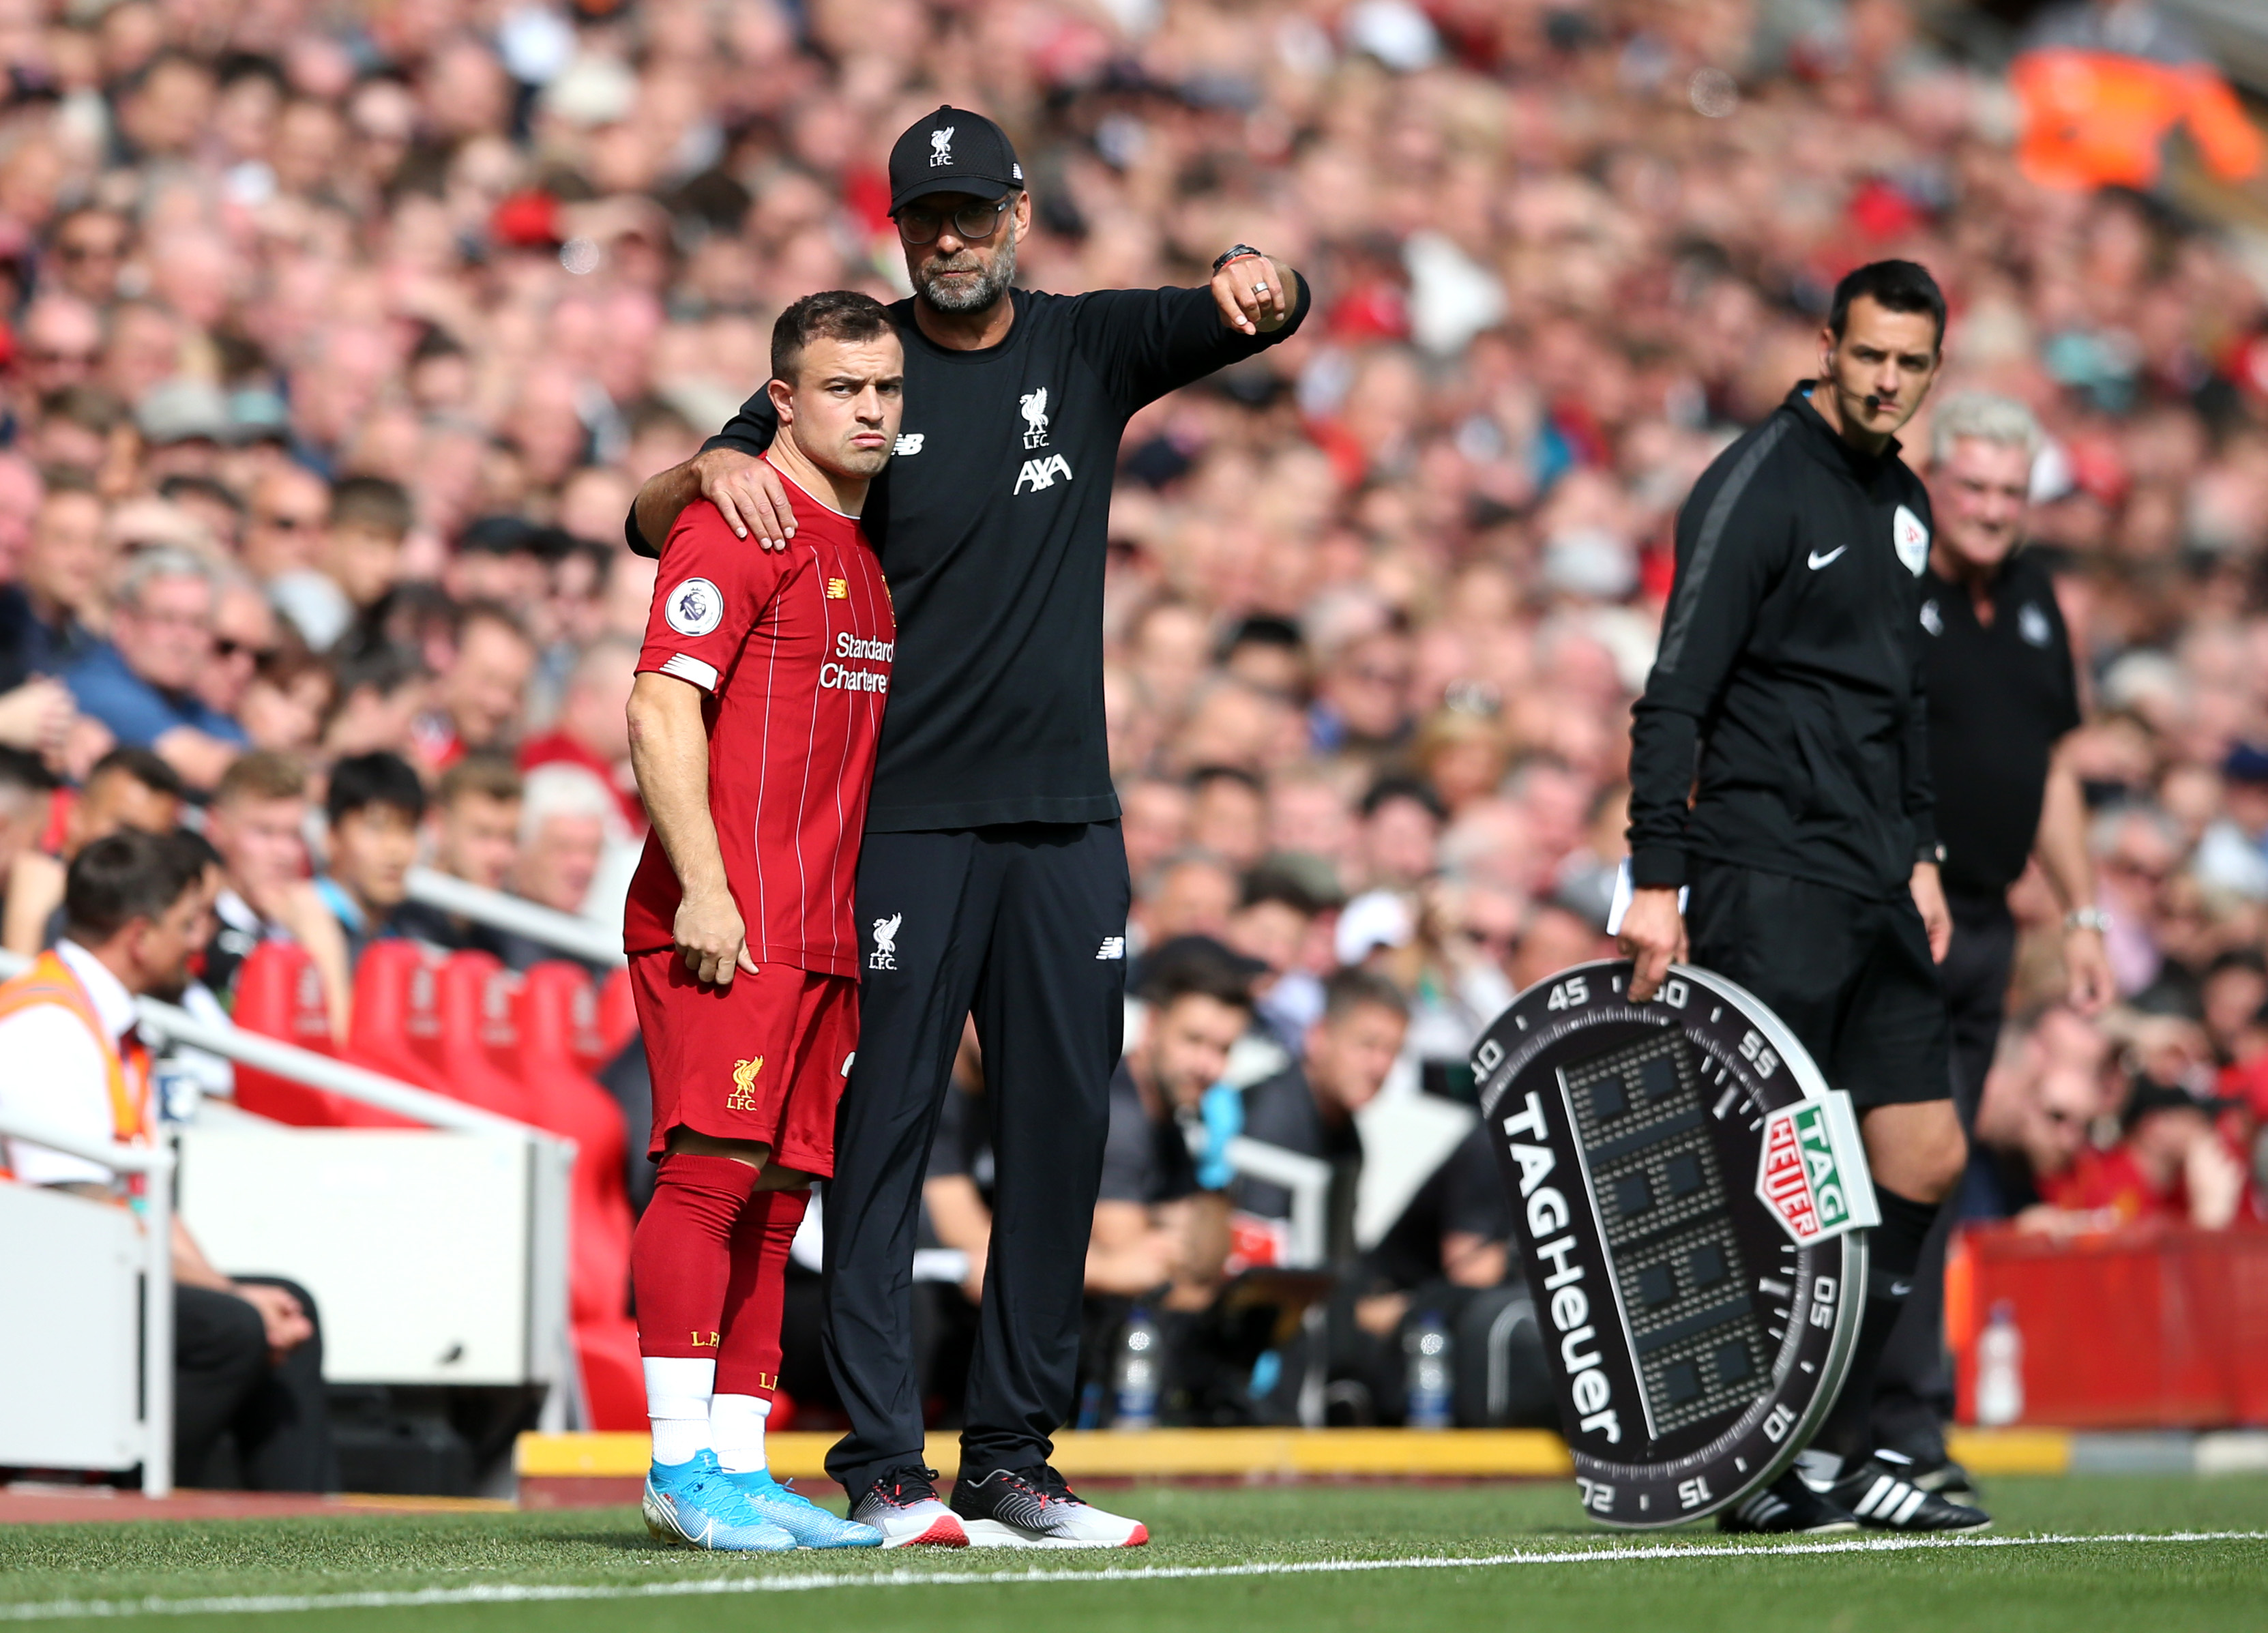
1691 1204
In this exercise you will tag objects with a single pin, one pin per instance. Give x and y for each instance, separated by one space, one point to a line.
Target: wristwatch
1232 253
2086 919
1933 853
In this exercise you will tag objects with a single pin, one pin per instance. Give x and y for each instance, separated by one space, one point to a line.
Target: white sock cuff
676 1386
737 1424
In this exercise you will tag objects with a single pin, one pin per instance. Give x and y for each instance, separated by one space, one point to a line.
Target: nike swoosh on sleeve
1817 561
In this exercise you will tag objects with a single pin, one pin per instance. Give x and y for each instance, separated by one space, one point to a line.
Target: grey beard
987 288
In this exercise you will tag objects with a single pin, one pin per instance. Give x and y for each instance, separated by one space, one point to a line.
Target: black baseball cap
953 151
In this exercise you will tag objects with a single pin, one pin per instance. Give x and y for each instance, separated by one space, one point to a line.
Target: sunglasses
227 648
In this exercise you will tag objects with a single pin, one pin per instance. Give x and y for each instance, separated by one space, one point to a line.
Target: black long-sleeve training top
1787 697
992 521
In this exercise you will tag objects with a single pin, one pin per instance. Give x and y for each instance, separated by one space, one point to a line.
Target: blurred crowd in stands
338 338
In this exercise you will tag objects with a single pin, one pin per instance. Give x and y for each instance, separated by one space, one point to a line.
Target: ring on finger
1260 289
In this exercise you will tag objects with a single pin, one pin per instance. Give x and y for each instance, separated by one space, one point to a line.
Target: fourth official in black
1789 678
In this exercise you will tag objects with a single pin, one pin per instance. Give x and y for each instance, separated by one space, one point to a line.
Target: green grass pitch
1224 1558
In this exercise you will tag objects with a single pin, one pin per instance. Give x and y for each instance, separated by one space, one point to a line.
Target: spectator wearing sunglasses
245 634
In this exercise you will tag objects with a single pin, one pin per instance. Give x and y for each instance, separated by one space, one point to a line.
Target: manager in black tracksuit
994 878
1789 678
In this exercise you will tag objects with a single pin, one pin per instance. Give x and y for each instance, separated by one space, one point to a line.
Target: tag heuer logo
1687 1214
1801 1176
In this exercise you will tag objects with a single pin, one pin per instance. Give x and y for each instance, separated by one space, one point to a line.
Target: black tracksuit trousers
1020 926
1913 1390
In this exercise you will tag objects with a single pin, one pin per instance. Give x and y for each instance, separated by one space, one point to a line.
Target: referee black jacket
1787 697
992 521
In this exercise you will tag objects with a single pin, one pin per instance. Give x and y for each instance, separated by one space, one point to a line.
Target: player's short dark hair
1347 990
1386 789
371 501
207 488
1195 967
1206 775
384 670
125 876
362 781
1273 881
143 766
845 314
465 614
1264 630
1894 285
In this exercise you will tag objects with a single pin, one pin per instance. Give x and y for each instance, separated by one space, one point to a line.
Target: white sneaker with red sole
1036 1508
904 1506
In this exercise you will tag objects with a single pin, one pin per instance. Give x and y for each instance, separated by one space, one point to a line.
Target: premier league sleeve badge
1690 1203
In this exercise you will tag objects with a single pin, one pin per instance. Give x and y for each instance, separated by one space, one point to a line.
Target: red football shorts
763 1059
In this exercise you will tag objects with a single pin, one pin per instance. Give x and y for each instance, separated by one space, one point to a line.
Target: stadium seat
617 1014
559 1012
474 1008
279 994
482 1005
397 1023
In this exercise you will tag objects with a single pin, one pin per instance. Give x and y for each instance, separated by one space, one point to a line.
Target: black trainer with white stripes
1883 1500
1786 1507
1939 1473
1036 1508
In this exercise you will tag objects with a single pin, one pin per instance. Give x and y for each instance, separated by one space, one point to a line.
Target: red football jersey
794 647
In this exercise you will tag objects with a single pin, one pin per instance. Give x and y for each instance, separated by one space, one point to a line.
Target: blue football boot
811 1526
696 1504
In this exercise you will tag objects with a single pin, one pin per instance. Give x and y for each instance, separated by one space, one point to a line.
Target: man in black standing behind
993 878
1789 678
2002 693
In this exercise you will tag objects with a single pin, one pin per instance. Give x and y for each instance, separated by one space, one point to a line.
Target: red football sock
681 1257
748 1360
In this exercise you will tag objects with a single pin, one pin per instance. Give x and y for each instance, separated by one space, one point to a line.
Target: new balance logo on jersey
1113 947
885 955
838 589
1042 474
907 443
1035 406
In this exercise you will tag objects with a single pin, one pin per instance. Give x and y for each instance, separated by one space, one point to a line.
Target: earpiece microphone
1874 403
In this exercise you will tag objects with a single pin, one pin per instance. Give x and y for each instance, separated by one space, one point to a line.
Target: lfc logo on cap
940 147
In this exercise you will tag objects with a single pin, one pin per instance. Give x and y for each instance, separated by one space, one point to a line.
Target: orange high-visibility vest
2096 119
127 1073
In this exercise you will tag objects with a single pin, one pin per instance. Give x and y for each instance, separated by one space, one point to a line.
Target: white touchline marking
538 1593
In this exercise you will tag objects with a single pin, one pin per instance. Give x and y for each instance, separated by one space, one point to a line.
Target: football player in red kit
753 725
